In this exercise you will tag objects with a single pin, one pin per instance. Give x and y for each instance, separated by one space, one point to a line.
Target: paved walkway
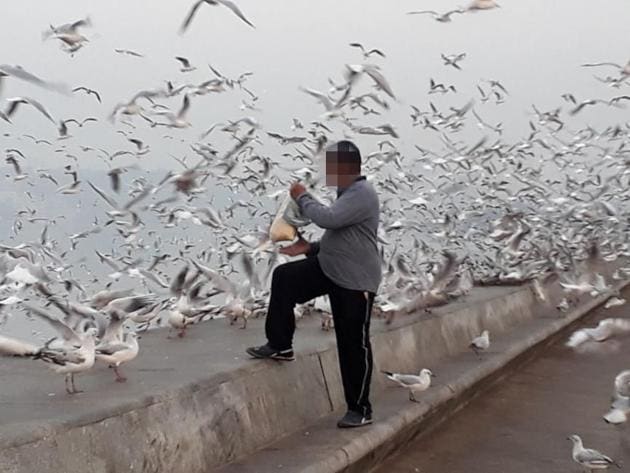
522 424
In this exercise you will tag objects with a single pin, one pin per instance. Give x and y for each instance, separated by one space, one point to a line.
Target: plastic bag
280 229
293 216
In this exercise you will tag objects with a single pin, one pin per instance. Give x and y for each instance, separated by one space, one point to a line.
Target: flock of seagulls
480 208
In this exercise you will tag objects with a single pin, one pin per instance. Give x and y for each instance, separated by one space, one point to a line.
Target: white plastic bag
280 229
293 216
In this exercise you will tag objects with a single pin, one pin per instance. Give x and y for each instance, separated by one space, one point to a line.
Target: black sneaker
354 419
265 351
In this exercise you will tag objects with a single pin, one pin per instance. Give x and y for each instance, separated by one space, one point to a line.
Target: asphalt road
522 423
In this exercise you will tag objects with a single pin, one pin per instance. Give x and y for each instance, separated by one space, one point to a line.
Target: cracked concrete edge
381 434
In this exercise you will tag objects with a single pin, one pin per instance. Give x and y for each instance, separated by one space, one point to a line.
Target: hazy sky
534 47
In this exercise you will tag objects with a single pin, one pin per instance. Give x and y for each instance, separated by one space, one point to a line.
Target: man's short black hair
346 152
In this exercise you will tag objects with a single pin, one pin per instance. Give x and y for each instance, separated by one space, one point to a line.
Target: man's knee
280 273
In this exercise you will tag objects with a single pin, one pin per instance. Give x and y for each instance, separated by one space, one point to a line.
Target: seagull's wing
185 107
14 347
18 72
597 64
108 261
593 457
190 16
130 304
41 109
380 80
177 285
357 45
139 197
66 332
15 101
406 379
183 60
219 281
232 6
328 105
111 348
105 197
376 51
423 12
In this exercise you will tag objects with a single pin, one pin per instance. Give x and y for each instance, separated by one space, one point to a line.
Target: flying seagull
441 17
18 72
226 3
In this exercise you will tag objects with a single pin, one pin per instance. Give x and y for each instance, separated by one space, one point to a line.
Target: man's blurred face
339 172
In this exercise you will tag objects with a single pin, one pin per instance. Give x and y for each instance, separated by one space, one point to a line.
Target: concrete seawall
196 404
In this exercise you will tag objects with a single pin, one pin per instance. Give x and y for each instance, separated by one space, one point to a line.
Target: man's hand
296 190
300 247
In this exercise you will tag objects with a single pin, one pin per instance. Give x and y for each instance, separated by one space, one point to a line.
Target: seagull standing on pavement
588 458
415 383
117 353
480 343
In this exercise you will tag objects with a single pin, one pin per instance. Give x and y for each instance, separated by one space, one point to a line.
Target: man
345 265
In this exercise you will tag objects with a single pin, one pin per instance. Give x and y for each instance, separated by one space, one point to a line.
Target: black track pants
297 282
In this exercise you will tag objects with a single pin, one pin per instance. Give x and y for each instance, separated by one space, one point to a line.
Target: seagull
353 71
625 70
606 328
118 352
15 102
89 92
19 176
622 384
482 5
620 407
366 53
177 120
614 302
18 72
63 125
480 343
132 107
186 67
128 52
226 3
453 59
441 17
585 103
589 458
415 383
73 353
69 34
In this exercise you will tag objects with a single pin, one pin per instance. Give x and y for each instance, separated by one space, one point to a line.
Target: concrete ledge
324 449
199 403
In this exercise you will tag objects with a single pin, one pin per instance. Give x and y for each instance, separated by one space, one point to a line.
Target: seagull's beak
433 376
